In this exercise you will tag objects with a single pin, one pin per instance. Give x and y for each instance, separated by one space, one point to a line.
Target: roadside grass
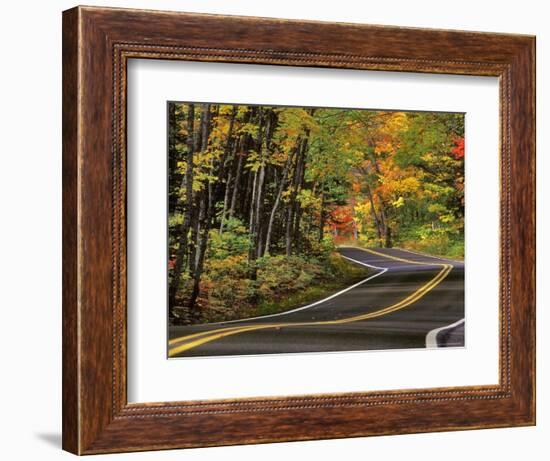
282 283
451 250
307 296
341 274
289 289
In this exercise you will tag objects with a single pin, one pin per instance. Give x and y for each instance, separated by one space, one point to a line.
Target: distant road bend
411 300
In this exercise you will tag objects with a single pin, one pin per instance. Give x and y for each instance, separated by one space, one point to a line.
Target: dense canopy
260 196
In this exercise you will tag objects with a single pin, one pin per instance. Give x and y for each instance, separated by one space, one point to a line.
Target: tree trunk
270 125
277 201
227 165
237 181
299 211
206 208
184 231
389 243
196 231
379 229
292 200
383 214
225 200
256 195
322 215
205 229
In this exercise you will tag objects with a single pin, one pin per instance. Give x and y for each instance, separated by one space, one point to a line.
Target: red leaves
458 149
341 217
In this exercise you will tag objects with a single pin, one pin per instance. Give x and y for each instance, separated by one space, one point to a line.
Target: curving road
409 300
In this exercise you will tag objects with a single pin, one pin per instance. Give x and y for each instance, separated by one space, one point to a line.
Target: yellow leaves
409 184
308 200
436 208
249 128
181 166
253 161
399 202
296 121
447 218
397 185
362 209
428 157
200 179
387 136
397 122
285 196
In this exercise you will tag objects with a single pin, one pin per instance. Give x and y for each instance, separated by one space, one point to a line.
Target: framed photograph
284 230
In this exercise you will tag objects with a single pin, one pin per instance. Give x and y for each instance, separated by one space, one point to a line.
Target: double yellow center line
188 342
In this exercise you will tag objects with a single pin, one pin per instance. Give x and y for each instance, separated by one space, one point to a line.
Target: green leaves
275 190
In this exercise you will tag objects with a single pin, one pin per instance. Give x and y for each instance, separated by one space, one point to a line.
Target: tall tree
175 281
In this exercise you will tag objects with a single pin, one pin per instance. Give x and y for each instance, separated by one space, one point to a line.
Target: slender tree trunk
384 222
277 201
389 242
258 211
225 200
206 206
379 229
205 229
322 214
241 149
256 195
270 124
288 231
383 213
252 203
227 165
238 175
196 229
184 231
299 211
292 201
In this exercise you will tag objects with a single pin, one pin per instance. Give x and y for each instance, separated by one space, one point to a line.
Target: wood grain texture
97 42
70 382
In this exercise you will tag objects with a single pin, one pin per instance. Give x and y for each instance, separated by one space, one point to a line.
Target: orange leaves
390 127
384 146
341 217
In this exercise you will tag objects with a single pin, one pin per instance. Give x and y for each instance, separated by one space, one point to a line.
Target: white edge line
431 337
382 270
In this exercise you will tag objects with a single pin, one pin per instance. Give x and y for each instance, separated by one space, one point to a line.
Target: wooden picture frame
97 43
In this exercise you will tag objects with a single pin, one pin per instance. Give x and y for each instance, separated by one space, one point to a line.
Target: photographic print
312 229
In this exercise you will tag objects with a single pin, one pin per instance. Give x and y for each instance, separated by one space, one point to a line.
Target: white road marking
431 337
382 270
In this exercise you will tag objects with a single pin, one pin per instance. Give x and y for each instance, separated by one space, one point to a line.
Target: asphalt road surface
409 300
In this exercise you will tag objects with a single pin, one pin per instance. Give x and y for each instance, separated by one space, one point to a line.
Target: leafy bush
443 241
281 283
278 275
234 240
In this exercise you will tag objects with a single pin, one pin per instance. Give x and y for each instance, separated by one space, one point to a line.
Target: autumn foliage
260 197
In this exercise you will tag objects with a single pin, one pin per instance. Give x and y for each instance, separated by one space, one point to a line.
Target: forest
260 198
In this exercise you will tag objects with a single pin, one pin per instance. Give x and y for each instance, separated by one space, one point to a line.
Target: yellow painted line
213 335
400 259
196 335
221 333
